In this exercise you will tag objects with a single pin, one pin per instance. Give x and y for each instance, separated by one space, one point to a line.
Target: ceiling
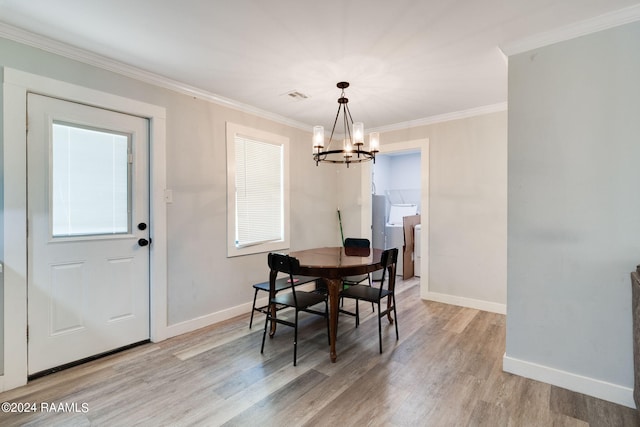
406 60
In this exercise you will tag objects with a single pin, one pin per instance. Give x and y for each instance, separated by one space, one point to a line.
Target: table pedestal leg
334 286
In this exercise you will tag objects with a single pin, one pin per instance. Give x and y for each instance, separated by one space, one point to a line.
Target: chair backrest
356 246
283 263
388 260
279 263
354 242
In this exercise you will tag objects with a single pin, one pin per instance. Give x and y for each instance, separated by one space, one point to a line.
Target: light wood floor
446 370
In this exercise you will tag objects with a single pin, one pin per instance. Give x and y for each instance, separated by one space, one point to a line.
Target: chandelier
352 150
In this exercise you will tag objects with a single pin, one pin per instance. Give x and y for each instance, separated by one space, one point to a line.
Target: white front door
88 217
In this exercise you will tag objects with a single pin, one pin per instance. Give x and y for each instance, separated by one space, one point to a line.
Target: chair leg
253 307
395 316
264 335
373 310
357 313
379 328
295 340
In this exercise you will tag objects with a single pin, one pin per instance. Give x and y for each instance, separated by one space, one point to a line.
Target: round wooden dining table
332 264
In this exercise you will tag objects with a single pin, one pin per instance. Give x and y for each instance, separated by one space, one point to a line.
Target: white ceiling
406 60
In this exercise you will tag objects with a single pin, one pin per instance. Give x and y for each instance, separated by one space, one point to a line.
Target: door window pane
90 181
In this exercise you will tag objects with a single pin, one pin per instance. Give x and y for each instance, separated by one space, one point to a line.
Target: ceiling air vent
298 96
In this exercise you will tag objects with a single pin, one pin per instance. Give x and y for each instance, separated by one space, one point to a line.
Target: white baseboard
585 385
210 319
219 316
492 307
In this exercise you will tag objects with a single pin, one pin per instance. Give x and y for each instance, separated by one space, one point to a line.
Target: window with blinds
259 179
257 198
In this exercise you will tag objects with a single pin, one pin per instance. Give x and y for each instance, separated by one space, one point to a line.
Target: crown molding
582 28
440 118
81 55
53 46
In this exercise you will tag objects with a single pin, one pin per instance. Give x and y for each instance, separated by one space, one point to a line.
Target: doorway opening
418 147
396 194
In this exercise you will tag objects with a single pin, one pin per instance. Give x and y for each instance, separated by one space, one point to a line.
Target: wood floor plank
276 406
368 400
591 410
444 370
461 320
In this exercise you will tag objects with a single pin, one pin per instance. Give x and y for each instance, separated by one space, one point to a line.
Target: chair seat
305 299
280 284
365 293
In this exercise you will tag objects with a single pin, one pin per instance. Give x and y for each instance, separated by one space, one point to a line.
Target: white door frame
16 84
365 195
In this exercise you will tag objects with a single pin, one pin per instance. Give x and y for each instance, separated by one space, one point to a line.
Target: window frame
232 130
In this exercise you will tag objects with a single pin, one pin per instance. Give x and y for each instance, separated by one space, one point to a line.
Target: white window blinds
259 200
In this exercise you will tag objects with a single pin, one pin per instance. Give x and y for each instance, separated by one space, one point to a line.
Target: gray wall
467 208
201 279
574 204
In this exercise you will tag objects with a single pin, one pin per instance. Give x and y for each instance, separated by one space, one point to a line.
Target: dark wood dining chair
281 284
352 242
296 299
355 242
375 295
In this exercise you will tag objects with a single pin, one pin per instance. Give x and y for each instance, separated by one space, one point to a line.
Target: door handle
143 242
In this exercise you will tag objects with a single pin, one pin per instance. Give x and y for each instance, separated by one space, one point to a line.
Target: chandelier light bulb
374 142
358 133
348 148
318 137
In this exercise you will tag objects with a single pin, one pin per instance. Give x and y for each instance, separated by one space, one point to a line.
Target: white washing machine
394 230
